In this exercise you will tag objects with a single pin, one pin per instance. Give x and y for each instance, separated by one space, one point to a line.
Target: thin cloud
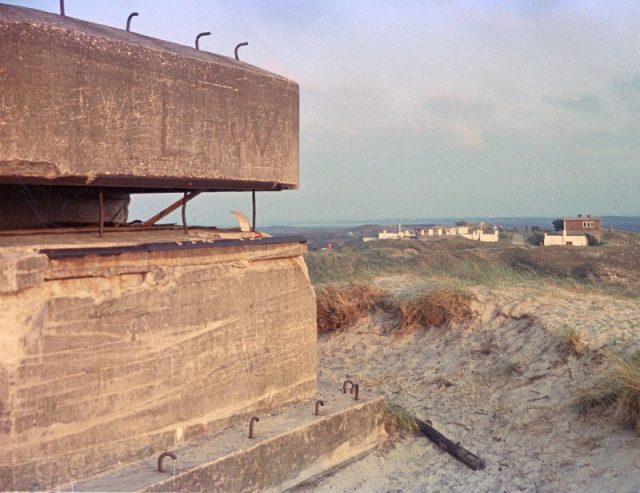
467 136
583 103
458 104
627 88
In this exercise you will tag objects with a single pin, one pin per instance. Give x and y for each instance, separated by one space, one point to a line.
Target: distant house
442 231
575 231
481 235
477 233
398 235
584 225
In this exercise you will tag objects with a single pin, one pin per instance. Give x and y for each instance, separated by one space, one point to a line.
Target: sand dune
503 386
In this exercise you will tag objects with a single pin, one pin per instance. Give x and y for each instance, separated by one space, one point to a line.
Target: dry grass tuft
340 307
574 342
621 387
510 368
441 308
399 421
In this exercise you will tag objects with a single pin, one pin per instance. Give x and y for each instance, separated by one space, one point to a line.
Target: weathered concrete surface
291 446
26 207
88 104
21 271
139 352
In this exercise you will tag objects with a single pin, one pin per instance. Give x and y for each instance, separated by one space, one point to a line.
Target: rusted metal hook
253 420
357 388
131 16
344 385
238 46
198 39
319 403
161 458
61 7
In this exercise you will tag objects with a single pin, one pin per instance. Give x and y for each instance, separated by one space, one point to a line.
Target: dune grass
574 341
464 264
438 308
365 262
341 306
398 420
620 388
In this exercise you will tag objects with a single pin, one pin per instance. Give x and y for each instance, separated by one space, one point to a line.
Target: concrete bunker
121 341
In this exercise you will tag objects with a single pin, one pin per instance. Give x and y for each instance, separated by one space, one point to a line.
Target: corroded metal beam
168 210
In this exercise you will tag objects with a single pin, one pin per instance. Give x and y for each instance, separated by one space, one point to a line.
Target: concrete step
291 445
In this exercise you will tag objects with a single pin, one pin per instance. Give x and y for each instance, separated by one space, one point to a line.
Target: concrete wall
479 235
105 358
489 237
564 239
86 104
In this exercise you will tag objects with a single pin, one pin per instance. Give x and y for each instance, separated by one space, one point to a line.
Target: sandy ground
503 387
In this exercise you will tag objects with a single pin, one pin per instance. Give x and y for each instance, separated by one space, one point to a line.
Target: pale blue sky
431 108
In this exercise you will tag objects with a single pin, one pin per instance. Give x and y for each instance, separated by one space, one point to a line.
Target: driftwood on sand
459 452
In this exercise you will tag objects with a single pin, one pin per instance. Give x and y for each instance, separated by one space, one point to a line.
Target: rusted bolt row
354 387
134 14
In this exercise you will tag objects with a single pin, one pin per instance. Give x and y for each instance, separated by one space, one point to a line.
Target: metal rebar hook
253 420
162 456
198 39
319 403
61 7
131 16
238 46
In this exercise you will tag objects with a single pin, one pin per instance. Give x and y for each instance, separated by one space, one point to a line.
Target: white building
471 233
551 239
399 235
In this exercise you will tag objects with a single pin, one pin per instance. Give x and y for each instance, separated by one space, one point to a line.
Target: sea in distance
629 223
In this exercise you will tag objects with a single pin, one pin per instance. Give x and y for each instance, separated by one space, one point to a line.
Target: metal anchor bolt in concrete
237 47
253 420
198 39
131 16
161 458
